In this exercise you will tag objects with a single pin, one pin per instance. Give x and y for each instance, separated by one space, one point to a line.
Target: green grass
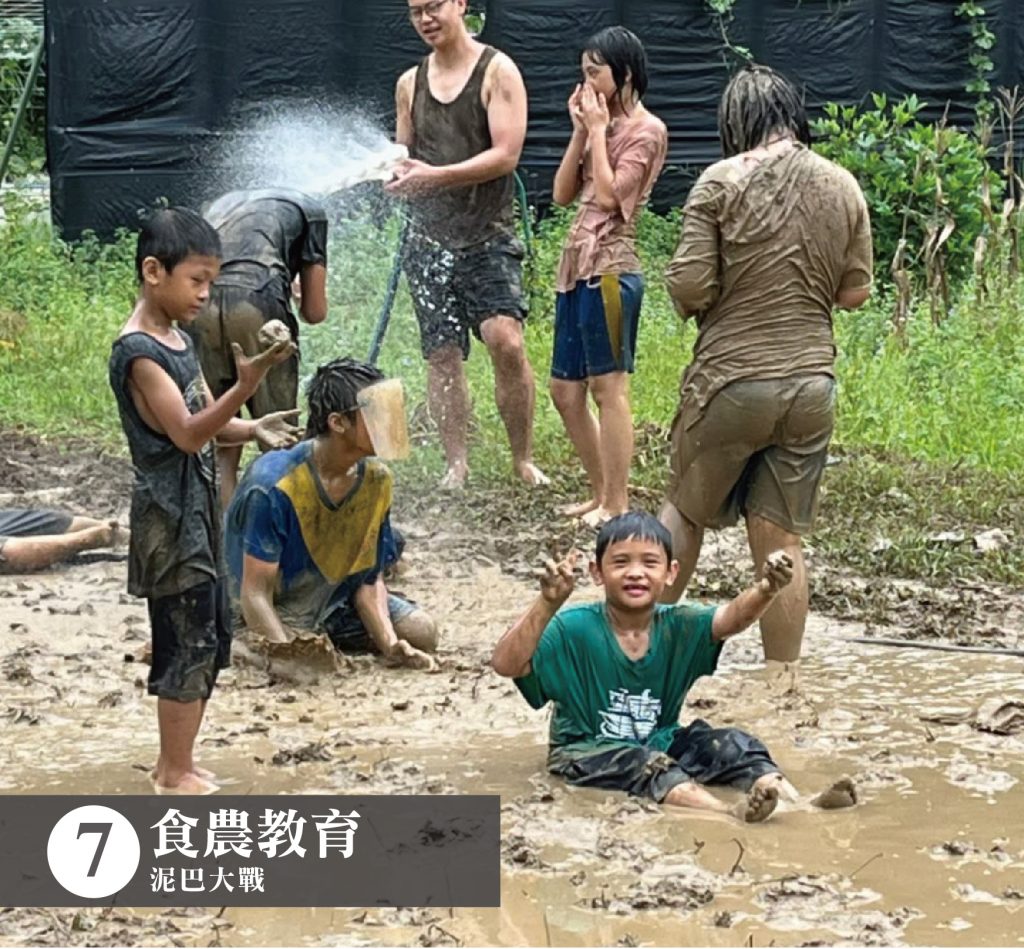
937 419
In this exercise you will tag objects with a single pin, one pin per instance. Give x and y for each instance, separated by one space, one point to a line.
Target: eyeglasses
432 9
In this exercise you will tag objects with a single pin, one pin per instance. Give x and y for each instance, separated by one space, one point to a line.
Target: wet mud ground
934 854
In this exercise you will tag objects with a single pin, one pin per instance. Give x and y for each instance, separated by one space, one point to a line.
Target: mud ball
273 331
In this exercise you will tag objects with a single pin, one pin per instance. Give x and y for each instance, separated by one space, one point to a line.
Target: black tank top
447 133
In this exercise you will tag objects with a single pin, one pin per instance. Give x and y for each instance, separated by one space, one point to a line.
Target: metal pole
23 101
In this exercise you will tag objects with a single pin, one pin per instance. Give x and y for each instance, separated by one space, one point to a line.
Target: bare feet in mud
578 509
842 793
759 805
119 536
455 477
190 783
531 474
203 773
598 517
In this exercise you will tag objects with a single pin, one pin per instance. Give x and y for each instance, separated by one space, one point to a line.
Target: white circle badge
93 851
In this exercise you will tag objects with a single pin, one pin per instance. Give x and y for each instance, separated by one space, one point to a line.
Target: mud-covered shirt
267 236
766 245
601 696
324 550
175 512
604 242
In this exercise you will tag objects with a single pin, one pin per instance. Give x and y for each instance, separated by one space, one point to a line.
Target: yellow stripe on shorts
611 296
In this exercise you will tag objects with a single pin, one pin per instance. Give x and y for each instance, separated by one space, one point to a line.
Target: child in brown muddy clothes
170 421
618 672
611 163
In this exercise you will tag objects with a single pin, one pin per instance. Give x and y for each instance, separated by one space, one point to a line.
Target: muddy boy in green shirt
618 672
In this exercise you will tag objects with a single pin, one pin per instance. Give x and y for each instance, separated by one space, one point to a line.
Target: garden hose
384 318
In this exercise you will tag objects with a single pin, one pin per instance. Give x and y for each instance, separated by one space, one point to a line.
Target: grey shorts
699 753
759 447
236 315
455 291
30 522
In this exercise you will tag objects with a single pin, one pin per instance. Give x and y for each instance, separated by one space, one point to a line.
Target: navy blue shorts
595 327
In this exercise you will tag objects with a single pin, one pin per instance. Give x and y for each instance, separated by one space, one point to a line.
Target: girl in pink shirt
614 157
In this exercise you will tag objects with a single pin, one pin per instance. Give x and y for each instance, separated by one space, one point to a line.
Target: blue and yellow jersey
281 514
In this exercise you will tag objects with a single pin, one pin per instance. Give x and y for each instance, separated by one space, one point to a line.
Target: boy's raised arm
745 609
515 649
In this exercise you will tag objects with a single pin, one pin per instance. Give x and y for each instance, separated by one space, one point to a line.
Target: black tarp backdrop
138 90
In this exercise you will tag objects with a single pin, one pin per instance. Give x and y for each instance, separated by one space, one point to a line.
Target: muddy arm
515 649
259 581
313 293
692 275
371 603
753 603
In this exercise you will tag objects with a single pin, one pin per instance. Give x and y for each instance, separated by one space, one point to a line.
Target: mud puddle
934 855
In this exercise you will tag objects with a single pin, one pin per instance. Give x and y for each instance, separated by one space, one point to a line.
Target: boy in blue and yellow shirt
309 533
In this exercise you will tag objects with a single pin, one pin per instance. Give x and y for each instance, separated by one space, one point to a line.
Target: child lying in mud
618 672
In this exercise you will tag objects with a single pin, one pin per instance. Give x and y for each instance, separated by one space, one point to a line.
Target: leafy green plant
18 40
983 41
916 177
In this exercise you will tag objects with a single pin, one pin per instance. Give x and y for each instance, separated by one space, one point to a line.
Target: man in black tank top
462 114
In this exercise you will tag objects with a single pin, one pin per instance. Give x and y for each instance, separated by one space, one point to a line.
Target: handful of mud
304 660
273 331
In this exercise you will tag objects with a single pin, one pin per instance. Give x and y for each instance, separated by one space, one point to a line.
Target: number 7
104 831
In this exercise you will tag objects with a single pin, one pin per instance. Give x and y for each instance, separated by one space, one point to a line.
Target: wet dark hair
757 102
622 52
172 234
334 389
633 525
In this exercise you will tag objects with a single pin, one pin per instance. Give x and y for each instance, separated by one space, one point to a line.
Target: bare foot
598 517
531 474
189 784
119 536
203 773
455 477
759 804
841 793
578 510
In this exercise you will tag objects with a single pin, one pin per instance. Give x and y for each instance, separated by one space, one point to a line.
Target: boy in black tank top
170 421
462 114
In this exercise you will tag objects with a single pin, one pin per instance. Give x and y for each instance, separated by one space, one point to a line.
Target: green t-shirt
602 696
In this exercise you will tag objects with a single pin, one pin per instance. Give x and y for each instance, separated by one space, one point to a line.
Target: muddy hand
251 370
408 655
274 430
778 571
557 580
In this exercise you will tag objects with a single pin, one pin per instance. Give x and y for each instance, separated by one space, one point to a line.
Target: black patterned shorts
455 291
191 641
698 753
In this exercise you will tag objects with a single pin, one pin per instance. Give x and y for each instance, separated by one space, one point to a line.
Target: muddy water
934 855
